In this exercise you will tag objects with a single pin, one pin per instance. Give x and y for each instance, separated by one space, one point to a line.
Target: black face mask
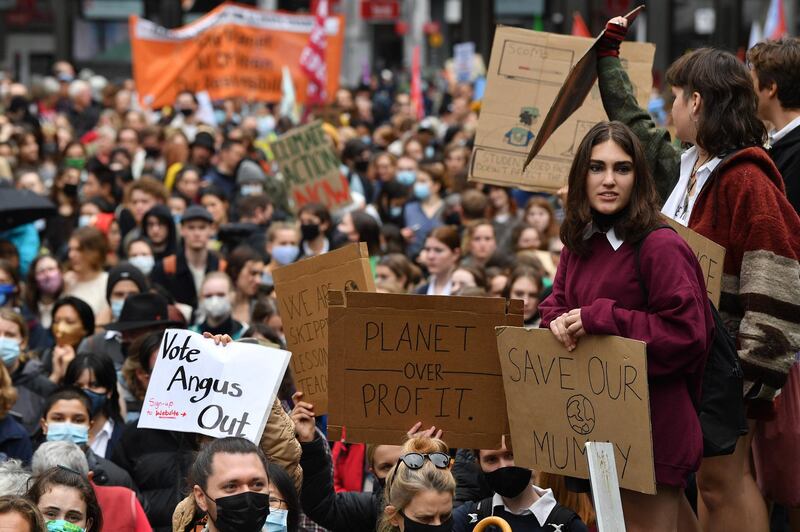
186 112
309 231
361 166
243 512
412 526
152 153
509 481
71 189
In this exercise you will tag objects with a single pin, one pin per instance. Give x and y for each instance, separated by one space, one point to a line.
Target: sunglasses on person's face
417 460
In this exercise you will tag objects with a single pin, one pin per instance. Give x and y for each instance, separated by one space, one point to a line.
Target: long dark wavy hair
643 213
728 119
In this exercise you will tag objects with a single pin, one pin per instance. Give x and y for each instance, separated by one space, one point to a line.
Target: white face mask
145 263
217 306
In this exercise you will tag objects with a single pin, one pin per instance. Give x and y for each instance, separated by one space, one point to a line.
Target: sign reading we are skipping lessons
396 359
216 390
558 400
302 292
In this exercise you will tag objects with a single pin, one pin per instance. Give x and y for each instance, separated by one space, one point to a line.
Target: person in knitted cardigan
726 188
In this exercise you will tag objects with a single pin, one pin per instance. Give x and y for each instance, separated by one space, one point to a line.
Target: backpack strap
170 264
484 508
637 246
561 516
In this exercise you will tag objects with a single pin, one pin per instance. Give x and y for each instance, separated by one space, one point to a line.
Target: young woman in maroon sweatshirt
612 207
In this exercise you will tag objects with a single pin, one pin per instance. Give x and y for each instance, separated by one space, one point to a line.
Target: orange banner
233 51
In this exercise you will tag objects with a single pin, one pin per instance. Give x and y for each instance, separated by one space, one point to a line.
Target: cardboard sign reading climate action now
311 168
558 400
398 359
302 292
234 51
526 71
216 390
710 255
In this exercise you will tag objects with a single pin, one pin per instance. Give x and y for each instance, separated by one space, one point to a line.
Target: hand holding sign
212 386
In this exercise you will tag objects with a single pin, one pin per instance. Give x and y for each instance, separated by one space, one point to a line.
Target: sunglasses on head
417 460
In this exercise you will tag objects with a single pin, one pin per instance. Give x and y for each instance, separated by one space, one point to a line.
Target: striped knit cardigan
745 210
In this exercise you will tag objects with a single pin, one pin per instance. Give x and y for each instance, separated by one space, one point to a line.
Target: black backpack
721 406
559 516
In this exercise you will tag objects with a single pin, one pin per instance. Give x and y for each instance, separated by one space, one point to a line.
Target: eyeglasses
276 503
417 460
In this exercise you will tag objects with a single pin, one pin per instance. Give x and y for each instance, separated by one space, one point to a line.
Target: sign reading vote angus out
302 292
311 167
558 400
398 359
210 389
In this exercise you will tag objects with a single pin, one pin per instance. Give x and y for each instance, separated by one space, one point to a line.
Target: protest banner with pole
302 293
234 51
311 167
312 59
558 400
396 359
530 72
200 387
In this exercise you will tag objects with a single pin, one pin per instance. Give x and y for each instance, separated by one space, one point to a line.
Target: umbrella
18 207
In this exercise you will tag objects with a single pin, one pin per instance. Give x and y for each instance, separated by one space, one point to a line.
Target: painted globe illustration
580 414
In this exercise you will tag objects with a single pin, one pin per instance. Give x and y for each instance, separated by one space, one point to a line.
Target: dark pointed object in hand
572 93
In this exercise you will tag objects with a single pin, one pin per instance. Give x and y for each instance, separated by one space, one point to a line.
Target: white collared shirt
541 509
307 251
673 208
446 291
101 439
775 136
611 235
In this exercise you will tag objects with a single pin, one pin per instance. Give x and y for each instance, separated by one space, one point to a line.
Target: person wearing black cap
201 150
182 274
124 280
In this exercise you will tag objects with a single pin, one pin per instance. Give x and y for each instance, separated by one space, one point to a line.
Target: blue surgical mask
116 308
6 290
9 350
98 400
176 218
251 190
406 177
422 191
145 263
284 255
77 434
396 211
429 152
277 521
84 220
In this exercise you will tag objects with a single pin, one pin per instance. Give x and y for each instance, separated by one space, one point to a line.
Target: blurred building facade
379 33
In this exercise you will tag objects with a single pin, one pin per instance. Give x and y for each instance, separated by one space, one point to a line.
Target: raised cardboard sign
398 359
217 390
302 292
558 400
311 168
710 255
526 72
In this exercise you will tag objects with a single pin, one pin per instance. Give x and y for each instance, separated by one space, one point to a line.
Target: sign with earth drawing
558 400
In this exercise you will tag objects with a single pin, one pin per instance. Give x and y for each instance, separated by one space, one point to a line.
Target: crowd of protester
179 217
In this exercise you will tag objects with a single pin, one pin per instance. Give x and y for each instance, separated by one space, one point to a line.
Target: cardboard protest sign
398 359
311 168
710 255
302 292
234 51
526 71
216 390
572 93
558 400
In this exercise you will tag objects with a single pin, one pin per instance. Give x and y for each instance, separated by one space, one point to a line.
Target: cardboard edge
313 265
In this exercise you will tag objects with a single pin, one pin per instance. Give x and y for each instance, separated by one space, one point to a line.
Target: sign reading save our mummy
216 390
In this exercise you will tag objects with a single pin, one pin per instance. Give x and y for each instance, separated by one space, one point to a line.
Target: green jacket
616 90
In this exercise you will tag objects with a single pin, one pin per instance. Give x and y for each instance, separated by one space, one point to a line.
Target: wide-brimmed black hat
143 310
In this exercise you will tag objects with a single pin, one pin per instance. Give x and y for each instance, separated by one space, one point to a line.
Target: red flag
579 27
416 85
312 59
775 26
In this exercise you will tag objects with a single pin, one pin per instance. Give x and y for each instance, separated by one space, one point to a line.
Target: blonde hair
403 484
8 394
